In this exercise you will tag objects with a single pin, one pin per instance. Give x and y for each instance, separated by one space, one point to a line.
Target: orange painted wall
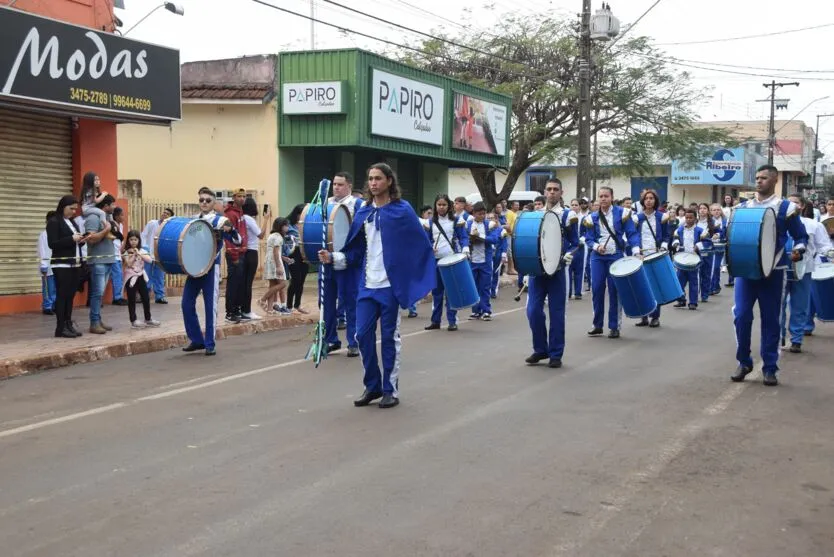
93 141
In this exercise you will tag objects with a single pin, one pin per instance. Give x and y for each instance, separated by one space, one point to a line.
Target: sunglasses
206 200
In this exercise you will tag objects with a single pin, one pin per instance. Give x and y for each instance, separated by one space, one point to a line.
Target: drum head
550 242
767 242
451 260
339 218
823 272
198 249
687 259
626 266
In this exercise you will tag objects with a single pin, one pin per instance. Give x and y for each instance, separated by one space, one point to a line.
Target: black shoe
341 326
595 332
642 323
74 329
693 307
783 343
654 323
475 316
452 327
211 352
64 333
353 351
162 301
741 373
432 327
48 312
729 285
121 302
367 398
233 318
808 333
614 333
193 347
770 380
388 401
705 301
796 348
334 347
554 363
412 314
680 304
535 358
577 297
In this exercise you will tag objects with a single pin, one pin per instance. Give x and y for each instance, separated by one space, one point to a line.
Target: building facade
66 80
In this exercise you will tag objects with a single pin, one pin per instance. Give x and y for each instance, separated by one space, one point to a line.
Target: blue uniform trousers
483 280
437 297
496 274
693 279
48 292
209 286
705 276
812 314
768 292
577 272
715 280
156 277
341 286
380 305
116 279
554 288
587 276
798 297
600 278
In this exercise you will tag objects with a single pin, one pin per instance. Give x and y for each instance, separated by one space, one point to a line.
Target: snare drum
458 280
185 246
663 280
796 269
822 290
633 288
686 261
751 243
310 225
537 243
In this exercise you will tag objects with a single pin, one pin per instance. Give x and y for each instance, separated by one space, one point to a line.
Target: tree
643 103
828 183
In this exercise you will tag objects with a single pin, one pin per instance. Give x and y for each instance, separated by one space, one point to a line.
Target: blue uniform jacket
624 230
406 251
660 227
700 237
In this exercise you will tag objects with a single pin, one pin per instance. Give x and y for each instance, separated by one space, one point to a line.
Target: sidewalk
28 344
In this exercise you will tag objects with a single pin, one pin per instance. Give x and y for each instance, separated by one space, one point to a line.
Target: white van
523 197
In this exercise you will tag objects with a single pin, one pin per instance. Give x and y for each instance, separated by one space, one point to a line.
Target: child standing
48 291
135 257
276 270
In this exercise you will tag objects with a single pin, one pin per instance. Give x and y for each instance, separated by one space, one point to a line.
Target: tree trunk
485 180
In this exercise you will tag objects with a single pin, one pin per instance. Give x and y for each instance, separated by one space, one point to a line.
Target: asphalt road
639 446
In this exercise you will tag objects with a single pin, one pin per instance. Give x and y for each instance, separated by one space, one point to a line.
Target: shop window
536 180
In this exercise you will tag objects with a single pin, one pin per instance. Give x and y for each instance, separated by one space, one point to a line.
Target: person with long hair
706 224
276 270
446 234
65 240
719 236
136 279
653 229
254 233
298 268
391 278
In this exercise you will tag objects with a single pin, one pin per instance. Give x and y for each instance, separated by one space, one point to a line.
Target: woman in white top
254 233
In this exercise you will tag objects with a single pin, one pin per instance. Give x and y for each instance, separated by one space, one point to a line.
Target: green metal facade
353 129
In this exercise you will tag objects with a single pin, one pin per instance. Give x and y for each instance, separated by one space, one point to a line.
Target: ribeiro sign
406 109
323 97
725 168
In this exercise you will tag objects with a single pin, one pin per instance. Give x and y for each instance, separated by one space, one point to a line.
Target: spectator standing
235 255
156 274
101 256
276 270
254 233
116 267
298 268
47 278
134 258
65 240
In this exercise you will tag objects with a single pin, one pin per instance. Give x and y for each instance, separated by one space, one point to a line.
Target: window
536 180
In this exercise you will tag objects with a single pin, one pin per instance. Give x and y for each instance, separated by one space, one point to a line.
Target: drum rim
559 262
656 256
683 266
635 271
458 258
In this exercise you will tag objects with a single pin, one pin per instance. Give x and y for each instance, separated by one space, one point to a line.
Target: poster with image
479 126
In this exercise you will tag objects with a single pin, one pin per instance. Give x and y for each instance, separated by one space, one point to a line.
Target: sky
212 29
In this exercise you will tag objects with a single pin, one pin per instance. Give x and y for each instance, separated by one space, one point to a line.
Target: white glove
664 246
567 258
465 251
582 240
830 255
676 243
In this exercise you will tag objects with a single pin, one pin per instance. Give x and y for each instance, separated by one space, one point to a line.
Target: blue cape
406 251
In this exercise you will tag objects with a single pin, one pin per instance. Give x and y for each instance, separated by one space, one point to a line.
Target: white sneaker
137 325
152 323
251 315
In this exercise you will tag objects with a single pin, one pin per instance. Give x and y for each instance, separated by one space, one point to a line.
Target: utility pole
771 133
312 24
583 161
817 149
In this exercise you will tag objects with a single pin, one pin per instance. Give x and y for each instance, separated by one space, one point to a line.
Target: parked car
522 196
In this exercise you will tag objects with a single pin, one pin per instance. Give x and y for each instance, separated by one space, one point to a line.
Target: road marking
635 482
180 390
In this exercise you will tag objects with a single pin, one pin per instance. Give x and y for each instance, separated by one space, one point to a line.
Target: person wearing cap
235 272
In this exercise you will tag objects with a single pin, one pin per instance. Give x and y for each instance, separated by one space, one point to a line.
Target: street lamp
605 27
172 7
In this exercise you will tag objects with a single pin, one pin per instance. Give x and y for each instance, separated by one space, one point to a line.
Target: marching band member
827 222
719 235
608 233
538 205
460 209
798 291
484 236
689 237
576 273
208 284
554 287
447 234
391 278
768 292
829 214
499 258
340 285
705 270
653 231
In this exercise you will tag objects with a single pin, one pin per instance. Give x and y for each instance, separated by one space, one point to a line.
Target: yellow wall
219 146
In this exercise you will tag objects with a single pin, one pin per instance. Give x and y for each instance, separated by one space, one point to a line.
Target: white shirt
442 247
79 223
689 240
818 243
375 275
604 237
647 239
252 233
44 252
148 234
726 211
478 249
117 244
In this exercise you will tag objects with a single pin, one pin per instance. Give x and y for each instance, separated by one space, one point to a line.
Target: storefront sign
479 126
725 168
321 97
406 109
50 62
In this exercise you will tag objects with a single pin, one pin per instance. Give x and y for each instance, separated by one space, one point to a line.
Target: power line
432 14
743 38
633 25
750 67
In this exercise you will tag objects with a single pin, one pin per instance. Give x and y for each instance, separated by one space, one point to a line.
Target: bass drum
537 243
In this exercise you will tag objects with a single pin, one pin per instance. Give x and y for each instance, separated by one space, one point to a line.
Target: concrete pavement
639 446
